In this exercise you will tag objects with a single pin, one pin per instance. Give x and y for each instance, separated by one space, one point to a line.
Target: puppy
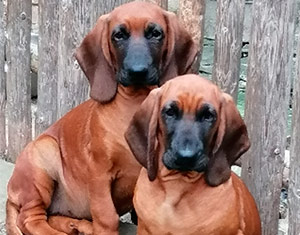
186 135
82 167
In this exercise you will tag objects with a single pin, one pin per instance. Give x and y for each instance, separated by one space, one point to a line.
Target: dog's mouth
198 164
149 78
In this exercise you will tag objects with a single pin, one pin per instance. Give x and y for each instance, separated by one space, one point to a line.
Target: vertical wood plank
76 19
2 83
74 23
18 76
191 14
104 7
47 70
267 94
294 182
162 3
228 44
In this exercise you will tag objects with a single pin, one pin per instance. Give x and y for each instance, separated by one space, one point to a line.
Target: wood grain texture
228 45
191 14
76 20
294 182
161 3
2 83
47 70
267 95
74 24
18 76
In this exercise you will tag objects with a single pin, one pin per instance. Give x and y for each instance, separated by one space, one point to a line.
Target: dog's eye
153 32
156 34
120 34
207 114
172 111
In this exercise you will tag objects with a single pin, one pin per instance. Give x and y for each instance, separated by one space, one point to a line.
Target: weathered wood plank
294 182
267 94
161 3
18 76
76 19
2 83
191 14
228 44
74 23
47 70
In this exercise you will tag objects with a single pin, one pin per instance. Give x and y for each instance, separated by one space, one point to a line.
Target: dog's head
191 125
137 44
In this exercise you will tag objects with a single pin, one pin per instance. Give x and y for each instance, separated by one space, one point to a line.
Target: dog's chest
190 213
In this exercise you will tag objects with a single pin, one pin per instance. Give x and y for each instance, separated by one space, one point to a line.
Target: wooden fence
62 86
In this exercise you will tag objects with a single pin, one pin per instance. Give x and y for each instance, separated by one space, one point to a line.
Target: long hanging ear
93 56
181 49
142 131
231 142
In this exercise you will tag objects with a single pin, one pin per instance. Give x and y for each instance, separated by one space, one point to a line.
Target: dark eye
171 110
154 32
207 114
120 34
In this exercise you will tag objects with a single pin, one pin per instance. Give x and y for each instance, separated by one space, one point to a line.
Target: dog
186 135
81 167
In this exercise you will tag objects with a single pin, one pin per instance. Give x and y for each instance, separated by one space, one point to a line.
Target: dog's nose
188 152
138 70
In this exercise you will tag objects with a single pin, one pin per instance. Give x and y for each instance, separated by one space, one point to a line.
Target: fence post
47 70
191 14
228 45
18 76
162 3
2 83
294 182
76 19
74 23
267 95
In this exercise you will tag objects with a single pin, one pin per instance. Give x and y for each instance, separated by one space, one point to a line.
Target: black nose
188 152
138 71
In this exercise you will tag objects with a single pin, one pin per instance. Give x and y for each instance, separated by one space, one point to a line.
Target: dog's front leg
104 214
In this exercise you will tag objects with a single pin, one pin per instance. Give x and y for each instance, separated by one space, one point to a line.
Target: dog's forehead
136 15
191 92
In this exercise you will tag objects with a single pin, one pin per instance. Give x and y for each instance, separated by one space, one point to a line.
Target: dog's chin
140 83
199 166
125 80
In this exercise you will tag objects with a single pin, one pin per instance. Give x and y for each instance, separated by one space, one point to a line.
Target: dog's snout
189 148
138 70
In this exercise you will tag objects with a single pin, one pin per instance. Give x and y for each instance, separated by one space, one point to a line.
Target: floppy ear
93 56
181 49
231 142
142 131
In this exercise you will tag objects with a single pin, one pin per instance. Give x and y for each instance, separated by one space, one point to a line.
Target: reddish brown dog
187 134
82 167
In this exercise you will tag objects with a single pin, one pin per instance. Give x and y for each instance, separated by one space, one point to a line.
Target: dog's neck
134 92
188 177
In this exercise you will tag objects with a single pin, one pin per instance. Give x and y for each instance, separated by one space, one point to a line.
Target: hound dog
81 167
186 135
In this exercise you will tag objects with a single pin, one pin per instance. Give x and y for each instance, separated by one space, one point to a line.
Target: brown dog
187 134
82 167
